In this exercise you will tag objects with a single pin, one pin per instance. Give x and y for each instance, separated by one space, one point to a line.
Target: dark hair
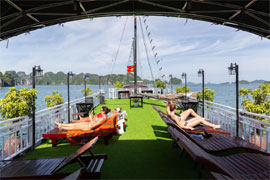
105 109
172 107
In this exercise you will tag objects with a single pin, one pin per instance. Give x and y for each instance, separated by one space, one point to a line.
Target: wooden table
139 98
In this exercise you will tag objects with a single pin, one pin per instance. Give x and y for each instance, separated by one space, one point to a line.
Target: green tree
160 84
257 100
118 84
8 79
181 89
54 99
208 94
175 80
17 102
87 91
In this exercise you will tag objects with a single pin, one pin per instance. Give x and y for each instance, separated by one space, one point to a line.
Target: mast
135 56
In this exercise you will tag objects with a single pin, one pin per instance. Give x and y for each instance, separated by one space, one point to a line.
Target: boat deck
144 151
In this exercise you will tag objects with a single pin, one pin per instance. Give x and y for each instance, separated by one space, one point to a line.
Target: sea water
224 93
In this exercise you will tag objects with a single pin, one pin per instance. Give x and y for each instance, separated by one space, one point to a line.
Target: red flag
130 68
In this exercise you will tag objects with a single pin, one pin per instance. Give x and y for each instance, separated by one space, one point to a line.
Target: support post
84 88
186 86
237 99
203 92
68 97
34 110
135 56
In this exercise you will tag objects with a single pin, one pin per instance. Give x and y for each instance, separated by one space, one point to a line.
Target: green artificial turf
144 151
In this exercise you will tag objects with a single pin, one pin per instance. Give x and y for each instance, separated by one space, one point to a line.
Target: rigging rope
129 59
139 60
116 55
146 51
153 50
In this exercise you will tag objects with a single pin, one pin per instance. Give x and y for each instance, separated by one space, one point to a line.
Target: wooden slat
99 165
234 165
31 167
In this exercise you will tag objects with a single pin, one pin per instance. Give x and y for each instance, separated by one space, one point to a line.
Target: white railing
16 133
113 92
250 127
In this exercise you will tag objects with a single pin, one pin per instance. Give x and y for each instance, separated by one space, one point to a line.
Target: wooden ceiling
22 16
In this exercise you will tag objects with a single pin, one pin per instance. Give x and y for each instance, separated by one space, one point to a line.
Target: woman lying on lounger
92 123
182 120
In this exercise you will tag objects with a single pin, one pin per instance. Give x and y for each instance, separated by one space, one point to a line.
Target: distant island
247 82
12 78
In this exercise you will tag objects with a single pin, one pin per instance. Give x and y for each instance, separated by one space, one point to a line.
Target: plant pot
136 104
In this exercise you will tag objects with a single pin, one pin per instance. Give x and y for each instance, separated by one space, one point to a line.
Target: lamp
201 74
86 76
36 72
233 70
69 75
171 82
184 76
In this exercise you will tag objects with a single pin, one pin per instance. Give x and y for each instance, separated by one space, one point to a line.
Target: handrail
250 128
20 128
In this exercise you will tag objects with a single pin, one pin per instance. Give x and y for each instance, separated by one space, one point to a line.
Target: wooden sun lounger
48 167
206 129
218 142
55 135
105 131
238 166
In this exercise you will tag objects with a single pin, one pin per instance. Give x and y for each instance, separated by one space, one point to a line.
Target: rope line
146 50
117 52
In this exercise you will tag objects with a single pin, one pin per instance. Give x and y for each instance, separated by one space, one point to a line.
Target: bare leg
81 126
91 117
195 121
186 113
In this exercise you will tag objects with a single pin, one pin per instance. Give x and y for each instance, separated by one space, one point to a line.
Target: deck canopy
21 16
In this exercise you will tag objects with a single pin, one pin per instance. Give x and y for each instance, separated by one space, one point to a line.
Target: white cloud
90 46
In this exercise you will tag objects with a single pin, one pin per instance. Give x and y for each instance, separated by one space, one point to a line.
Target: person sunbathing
92 123
183 122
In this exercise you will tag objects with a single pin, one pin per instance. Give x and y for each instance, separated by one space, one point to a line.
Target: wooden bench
48 167
238 166
218 142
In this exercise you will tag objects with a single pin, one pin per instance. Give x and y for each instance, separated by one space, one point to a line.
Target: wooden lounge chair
237 166
218 142
48 167
105 131
206 129
55 135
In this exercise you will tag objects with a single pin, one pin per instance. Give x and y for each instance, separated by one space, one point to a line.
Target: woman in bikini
182 120
92 123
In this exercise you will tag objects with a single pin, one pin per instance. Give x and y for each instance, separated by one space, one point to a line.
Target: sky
91 45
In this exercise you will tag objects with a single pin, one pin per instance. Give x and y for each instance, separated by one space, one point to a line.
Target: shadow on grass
132 159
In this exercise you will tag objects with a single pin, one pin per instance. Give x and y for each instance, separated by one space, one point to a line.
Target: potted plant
136 102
